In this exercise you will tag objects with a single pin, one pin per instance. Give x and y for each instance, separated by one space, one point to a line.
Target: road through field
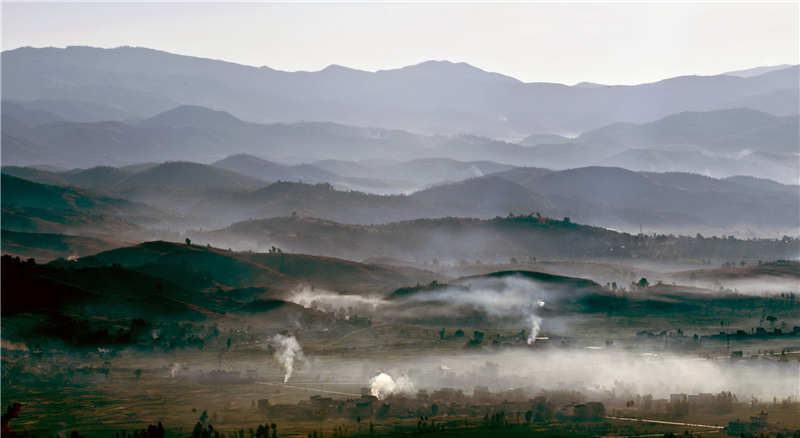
673 423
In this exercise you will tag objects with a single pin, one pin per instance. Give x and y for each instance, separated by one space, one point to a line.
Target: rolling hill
195 266
207 196
33 207
47 247
615 196
481 197
101 309
725 131
188 175
450 240
264 170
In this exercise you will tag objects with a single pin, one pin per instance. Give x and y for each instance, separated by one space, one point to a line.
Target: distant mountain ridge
725 131
431 97
450 240
717 143
205 195
265 170
757 70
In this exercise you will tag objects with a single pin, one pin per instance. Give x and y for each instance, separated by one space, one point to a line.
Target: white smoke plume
383 385
173 370
535 327
330 301
510 298
536 323
286 351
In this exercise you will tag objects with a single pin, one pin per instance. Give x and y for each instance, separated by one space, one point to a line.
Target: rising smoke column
507 298
535 322
383 385
510 297
288 349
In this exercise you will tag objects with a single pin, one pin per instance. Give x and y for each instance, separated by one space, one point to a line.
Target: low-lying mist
599 374
759 286
510 300
602 373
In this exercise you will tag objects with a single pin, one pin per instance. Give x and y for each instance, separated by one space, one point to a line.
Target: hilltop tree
771 319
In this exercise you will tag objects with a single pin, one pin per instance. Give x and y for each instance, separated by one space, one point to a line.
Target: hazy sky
621 43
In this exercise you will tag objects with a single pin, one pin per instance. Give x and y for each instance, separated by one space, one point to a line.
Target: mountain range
185 195
136 144
432 97
476 241
717 143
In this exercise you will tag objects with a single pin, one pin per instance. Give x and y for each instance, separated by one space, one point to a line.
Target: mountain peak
336 68
450 69
586 84
193 116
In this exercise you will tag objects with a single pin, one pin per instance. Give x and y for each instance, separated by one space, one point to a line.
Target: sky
609 43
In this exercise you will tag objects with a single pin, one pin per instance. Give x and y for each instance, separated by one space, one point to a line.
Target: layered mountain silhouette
716 143
208 196
454 240
111 144
727 131
433 97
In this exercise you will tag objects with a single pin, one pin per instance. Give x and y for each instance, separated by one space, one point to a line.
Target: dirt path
673 423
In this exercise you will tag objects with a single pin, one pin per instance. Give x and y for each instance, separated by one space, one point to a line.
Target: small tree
643 283
188 241
771 319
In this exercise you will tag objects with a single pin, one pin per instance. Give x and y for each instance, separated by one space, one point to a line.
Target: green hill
32 207
452 240
202 267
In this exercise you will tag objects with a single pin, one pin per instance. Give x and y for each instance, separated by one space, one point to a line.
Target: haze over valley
199 247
